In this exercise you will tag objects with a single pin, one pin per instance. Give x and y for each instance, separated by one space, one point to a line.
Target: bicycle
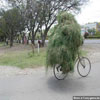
83 68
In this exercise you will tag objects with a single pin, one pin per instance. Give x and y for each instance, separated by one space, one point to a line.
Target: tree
40 15
3 29
91 31
12 24
33 17
50 9
64 42
31 14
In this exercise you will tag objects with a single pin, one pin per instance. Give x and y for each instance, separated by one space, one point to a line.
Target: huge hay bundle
64 42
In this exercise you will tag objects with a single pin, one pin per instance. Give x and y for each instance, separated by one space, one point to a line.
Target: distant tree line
35 16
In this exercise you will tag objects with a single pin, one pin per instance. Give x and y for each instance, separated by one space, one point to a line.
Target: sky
89 12
2 3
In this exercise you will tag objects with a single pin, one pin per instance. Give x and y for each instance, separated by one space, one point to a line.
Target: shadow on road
65 86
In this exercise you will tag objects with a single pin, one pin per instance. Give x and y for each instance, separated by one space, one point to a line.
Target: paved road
92 41
40 86
87 41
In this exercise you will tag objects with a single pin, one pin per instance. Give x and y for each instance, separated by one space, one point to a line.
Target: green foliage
14 20
94 36
11 22
91 31
3 29
37 16
64 42
97 33
2 44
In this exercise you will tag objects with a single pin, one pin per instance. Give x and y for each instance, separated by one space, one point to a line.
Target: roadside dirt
17 47
93 52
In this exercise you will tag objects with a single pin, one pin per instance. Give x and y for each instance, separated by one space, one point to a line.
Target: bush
95 36
97 33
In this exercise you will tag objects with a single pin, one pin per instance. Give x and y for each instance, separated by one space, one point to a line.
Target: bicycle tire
80 62
55 74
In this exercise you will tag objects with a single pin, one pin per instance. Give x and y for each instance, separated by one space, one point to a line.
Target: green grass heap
64 42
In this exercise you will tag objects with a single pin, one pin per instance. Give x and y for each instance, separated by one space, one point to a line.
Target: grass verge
2 44
24 59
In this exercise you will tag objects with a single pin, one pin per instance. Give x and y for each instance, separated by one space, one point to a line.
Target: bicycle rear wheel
84 66
58 73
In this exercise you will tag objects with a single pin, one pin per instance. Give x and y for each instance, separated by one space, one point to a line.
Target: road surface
42 86
92 41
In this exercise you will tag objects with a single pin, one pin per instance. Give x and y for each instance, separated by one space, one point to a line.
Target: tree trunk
27 40
33 38
19 41
23 39
6 40
44 37
11 40
43 41
46 32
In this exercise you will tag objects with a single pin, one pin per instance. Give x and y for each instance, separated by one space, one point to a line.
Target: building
90 26
98 27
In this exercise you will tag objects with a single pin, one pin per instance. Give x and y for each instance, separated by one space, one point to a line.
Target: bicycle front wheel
84 66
